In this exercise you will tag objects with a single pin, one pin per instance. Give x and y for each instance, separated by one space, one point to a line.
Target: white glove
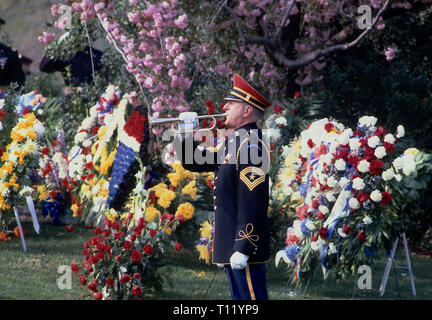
238 260
220 265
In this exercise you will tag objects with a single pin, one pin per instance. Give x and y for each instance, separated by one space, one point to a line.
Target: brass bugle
188 118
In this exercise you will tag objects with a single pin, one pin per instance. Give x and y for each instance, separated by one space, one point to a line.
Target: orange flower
17 232
3 236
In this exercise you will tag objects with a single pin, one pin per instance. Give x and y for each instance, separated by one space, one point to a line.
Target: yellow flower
184 174
206 229
186 210
190 189
174 179
412 151
165 198
75 209
111 214
151 213
203 253
43 193
159 189
85 188
167 230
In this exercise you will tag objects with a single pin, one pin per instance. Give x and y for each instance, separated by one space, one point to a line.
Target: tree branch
283 21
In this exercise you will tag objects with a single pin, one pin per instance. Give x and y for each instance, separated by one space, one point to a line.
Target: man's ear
248 110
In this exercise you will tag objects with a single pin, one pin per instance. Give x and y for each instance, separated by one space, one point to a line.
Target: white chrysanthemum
398 177
389 138
93 111
87 123
376 196
353 203
398 163
281 121
363 166
373 142
400 132
330 197
343 183
380 152
331 182
354 144
327 158
324 210
367 121
315 246
80 137
310 225
367 220
388 174
340 164
408 164
358 184
88 158
31 147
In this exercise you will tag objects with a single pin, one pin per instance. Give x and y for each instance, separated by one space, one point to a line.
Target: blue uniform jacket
241 193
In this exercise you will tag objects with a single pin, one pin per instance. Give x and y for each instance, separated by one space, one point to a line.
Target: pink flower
390 54
46 38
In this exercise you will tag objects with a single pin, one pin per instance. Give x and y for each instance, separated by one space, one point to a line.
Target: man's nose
225 107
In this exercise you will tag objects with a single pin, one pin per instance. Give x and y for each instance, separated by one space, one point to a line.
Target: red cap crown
243 91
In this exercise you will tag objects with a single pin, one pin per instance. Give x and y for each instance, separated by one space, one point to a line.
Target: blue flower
292 251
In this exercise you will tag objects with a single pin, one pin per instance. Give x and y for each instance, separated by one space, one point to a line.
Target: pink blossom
46 38
389 53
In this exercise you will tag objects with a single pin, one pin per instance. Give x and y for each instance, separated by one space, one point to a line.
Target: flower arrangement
351 186
122 259
18 158
205 244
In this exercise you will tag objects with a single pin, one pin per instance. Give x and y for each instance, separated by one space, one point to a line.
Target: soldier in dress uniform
241 163
80 66
10 65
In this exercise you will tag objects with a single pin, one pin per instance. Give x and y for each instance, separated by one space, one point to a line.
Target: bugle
188 120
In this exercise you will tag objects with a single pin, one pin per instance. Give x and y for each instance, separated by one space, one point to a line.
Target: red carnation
297 95
136 291
375 167
26 110
357 133
320 215
361 236
302 212
89 165
148 248
116 225
386 197
53 194
310 143
314 238
347 229
323 232
362 197
178 246
315 204
369 154
45 151
118 258
97 230
329 126
127 245
380 132
118 235
125 278
389 147
94 130
135 256
152 232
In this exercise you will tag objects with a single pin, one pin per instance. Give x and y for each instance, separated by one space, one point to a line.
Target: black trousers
248 283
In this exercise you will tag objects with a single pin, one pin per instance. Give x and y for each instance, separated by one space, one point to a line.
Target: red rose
136 291
133 237
110 282
118 258
93 259
97 230
329 126
369 154
389 147
125 278
82 279
152 232
89 165
98 295
106 232
278 109
310 143
380 132
119 235
178 246
135 256
137 230
375 167
361 236
363 143
148 248
136 275
127 245
74 268
116 225
323 232
386 197
357 133
45 151
93 285
297 95
347 229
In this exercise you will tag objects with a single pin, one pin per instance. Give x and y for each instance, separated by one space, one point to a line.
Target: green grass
33 274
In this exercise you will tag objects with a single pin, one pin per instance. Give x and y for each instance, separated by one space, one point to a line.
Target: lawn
33 274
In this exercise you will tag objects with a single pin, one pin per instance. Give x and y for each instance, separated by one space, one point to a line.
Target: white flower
341 233
281 121
87 143
297 228
88 158
373 142
367 220
315 246
285 151
340 164
330 197
331 248
354 144
400 131
26 191
331 182
343 182
358 184
353 203
327 158
310 225
39 128
398 163
87 123
96 189
2 103
388 174
324 210
389 138
376 196
398 177
408 164
80 137
380 152
367 121
363 166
